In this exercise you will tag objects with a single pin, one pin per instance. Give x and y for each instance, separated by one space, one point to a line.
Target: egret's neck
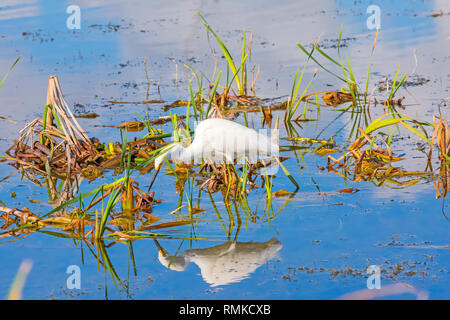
167 152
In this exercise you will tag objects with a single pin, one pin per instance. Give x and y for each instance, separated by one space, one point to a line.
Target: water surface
289 257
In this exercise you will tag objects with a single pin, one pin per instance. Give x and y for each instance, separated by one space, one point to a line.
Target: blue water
234 257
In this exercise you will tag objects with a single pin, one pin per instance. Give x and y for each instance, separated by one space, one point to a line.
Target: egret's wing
232 262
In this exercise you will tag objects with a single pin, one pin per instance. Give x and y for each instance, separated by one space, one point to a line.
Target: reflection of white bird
226 263
223 139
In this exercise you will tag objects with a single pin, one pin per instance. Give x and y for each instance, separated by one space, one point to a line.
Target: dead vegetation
56 146
442 137
366 161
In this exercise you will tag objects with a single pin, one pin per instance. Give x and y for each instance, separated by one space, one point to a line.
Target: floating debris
91 115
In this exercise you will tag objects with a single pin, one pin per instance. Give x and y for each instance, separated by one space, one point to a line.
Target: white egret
223 139
226 263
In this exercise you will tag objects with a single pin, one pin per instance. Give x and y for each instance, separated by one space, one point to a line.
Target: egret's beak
160 249
154 177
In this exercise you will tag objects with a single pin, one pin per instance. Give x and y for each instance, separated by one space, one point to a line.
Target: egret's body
225 263
223 139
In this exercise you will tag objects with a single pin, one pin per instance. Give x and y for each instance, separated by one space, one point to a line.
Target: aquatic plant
358 95
12 67
240 80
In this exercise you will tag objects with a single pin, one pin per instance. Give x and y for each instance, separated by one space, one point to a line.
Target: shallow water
293 255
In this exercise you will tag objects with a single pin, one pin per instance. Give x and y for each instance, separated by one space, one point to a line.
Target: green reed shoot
113 198
199 83
146 121
211 98
288 174
395 86
243 189
190 193
188 109
124 149
227 55
244 66
194 104
268 186
241 67
6 75
44 123
84 195
398 118
294 99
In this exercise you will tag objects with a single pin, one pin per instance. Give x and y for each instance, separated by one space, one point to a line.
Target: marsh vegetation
97 190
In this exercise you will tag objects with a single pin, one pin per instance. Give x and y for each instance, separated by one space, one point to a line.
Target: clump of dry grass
366 161
442 136
55 141
56 146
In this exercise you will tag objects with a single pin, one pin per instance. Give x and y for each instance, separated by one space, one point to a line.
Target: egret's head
176 263
159 160
168 152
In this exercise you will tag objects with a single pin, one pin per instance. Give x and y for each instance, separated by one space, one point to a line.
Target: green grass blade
110 205
84 195
318 63
6 75
288 174
225 51
212 94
